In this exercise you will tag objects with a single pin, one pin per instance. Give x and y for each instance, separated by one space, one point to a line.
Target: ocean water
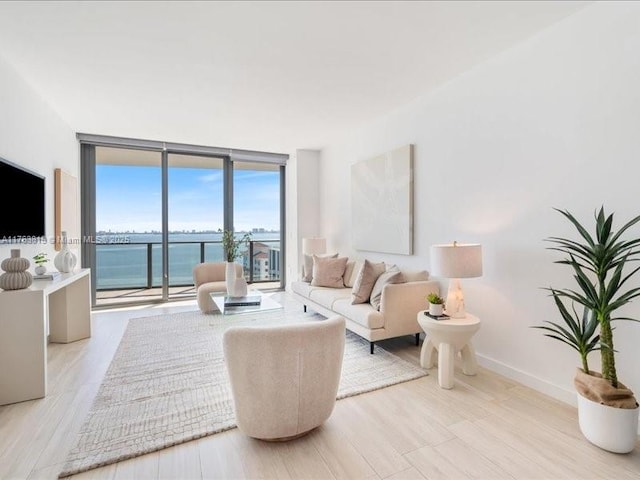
122 259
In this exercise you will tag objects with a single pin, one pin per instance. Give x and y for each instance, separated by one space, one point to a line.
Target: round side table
444 339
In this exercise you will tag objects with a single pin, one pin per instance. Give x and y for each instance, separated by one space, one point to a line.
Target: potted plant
436 304
40 259
232 246
607 409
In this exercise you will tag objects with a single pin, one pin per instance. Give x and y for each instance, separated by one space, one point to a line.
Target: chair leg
371 347
417 339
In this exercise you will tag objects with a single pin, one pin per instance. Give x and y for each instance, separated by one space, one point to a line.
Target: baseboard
543 386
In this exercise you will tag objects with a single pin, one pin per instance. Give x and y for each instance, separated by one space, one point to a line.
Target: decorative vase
436 309
40 269
610 428
240 287
16 276
65 260
230 278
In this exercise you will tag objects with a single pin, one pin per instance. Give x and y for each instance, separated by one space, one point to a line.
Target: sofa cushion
307 267
302 288
328 272
362 314
415 275
391 275
367 277
328 296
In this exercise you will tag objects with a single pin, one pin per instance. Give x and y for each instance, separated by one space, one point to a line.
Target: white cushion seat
361 313
284 378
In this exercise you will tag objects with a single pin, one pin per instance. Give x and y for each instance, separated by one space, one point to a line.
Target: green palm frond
598 263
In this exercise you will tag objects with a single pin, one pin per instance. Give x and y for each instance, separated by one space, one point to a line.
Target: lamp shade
314 246
456 260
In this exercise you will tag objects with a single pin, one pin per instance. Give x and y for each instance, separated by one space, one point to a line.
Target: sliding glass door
128 217
155 210
257 209
195 217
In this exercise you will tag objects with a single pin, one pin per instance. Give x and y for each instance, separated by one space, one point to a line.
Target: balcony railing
139 264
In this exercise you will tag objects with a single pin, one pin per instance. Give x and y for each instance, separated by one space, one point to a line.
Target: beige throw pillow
392 275
307 267
351 272
365 281
328 271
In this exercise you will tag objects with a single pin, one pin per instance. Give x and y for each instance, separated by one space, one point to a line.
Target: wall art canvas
382 202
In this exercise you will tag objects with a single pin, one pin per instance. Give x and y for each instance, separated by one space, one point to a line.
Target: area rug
167 384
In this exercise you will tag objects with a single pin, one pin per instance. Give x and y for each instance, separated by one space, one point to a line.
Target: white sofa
399 306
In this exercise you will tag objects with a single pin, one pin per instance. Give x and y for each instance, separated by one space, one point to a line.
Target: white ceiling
269 76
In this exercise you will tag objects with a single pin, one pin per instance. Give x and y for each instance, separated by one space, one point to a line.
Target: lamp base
454 306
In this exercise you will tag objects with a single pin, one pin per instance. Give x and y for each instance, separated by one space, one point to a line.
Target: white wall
303 206
34 136
553 122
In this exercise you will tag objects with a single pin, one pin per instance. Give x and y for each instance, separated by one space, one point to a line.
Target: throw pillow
307 268
367 277
392 275
351 272
328 271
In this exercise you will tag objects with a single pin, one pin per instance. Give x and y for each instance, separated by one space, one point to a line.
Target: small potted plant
231 246
40 259
436 304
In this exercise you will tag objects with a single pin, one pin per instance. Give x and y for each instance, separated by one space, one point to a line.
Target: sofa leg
417 339
305 308
371 347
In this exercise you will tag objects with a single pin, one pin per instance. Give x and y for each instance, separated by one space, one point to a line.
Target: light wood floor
487 427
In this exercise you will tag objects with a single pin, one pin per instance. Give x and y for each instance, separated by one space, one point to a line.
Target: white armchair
284 378
209 277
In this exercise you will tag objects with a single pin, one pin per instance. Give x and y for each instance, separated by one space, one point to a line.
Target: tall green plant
232 245
579 334
598 264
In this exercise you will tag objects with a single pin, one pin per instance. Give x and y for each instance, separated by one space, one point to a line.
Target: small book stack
437 317
47 276
247 301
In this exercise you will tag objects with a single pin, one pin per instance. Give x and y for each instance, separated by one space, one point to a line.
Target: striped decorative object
16 276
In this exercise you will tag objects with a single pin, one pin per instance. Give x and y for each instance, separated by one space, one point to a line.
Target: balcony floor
109 298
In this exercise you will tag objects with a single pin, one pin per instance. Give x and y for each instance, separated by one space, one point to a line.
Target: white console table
57 311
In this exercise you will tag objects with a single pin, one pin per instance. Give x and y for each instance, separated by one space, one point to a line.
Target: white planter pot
610 428
436 309
230 278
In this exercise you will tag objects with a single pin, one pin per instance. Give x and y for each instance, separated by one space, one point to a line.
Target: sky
128 198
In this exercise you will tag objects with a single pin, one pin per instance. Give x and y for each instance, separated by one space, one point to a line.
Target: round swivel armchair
284 378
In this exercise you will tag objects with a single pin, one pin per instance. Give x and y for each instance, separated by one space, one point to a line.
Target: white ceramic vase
230 278
40 269
65 261
240 287
610 428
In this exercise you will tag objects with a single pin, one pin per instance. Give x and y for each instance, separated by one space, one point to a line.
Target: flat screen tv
22 201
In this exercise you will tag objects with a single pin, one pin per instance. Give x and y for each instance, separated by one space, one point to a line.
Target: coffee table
266 303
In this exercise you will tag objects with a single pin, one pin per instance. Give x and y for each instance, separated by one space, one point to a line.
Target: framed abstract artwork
382 202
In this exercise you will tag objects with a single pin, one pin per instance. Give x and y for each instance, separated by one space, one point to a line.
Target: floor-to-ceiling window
256 209
154 210
195 197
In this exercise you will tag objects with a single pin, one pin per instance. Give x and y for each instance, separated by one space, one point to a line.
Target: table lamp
314 246
456 261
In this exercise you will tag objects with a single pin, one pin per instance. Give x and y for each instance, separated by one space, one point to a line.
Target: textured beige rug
167 384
